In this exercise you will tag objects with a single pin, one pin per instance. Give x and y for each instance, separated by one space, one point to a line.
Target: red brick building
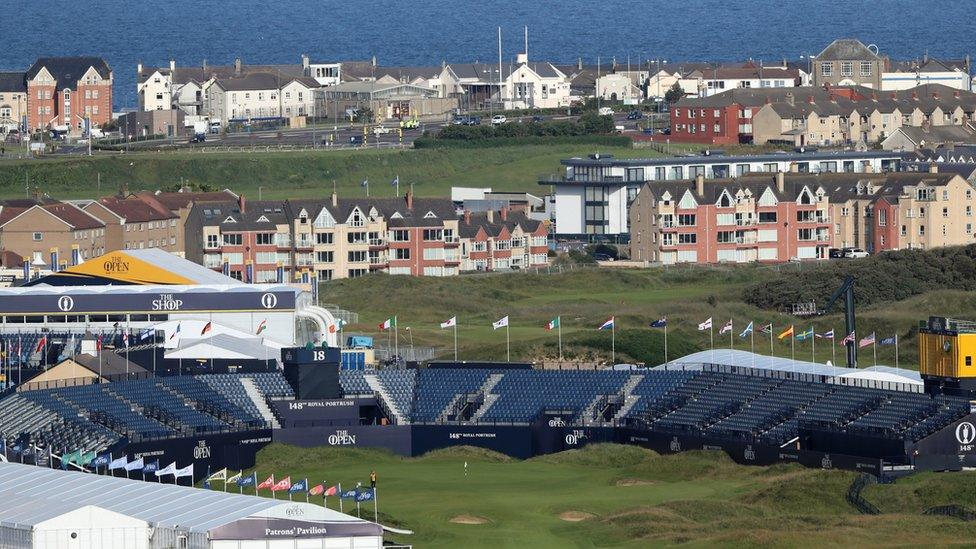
504 239
63 91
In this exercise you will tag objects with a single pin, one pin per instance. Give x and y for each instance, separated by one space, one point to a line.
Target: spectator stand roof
870 377
35 494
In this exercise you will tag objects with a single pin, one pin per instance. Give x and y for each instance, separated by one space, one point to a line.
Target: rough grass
696 498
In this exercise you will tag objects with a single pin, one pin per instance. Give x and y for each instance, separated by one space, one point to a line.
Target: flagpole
376 515
874 347
508 342
896 349
613 341
813 344
711 342
396 336
833 347
340 497
455 340
730 335
752 344
771 353
559 332
793 345
665 341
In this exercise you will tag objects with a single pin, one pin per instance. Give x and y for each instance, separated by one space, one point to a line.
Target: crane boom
846 290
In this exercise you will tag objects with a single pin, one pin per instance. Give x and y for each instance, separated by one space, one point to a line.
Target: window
357 256
233 240
433 235
687 238
324 257
767 217
324 238
400 235
38 237
354 273
401 253
882 218
431 254
865 68
847 68
686 220
213 240
266 258
945 212
827 68
264 239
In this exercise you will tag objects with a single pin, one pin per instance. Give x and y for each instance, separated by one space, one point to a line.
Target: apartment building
501 240
132 223
334 238
848 62
519 85
953 73
13 102
768 218
63 91
35 227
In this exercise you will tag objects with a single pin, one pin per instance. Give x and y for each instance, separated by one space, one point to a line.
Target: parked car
537 118
603 257
635 115
198 138
835 253
459 120
854 253
666 131
498 119
605 111
474 121
355 140
380 130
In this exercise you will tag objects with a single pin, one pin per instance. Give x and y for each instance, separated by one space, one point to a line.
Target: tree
674 93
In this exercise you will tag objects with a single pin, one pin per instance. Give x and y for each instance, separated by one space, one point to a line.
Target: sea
429 32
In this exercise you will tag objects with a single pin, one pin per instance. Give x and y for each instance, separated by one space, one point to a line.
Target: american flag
851 338
867 341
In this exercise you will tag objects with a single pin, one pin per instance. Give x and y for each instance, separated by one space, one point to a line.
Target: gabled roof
71 215
68 70
935 135
496 226
12 82
187 74
135 210
847 49
176 200
109 364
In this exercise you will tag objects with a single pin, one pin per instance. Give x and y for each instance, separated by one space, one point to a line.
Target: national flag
98 343
889 340
660 323
851 338
707 325
500 323
553 324
168 470
866 341
270 482
608 325
72 457
120 463
135 464
249 480
261 326
449 323
300 486
726 328
333 328
316 490
365 183
767 329
40 344
184 472
388 323
125 338
151 467
219 475
786 333
829 334
804 335
86 458
282 484
747 331
365 495
206 328
176 331
331 491
349 494
395 181
146 334
234 478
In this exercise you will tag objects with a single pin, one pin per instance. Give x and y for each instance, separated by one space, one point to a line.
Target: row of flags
790 332
503 322
286 485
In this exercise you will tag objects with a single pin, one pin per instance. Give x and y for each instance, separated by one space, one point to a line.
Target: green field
302 174
585 298
627 497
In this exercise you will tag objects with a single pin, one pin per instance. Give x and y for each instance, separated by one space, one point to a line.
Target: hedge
603 140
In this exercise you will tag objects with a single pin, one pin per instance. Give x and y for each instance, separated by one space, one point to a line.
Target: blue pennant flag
349 494
365 495
889 340
660 323
206 479
250 480
101 461
151 467
300 486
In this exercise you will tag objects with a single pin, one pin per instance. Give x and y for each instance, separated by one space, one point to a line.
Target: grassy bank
303 173
585 298
621 496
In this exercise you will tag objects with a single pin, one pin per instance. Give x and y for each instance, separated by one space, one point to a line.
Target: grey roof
186 74
252 81
934 135
182 267
35 494
12 82
756 97
847 49
488 72
479 220
68 70
252 347
110 364
609 160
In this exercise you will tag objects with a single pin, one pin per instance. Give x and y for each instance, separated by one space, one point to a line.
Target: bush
600 140
889 276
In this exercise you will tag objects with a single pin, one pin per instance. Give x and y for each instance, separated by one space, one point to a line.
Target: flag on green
553 324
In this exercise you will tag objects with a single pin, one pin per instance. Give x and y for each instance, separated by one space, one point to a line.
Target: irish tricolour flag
388 323
553 324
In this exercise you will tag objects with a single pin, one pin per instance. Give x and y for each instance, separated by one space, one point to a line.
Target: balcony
282 241
377 242
451 241
304 243
378 262
555 179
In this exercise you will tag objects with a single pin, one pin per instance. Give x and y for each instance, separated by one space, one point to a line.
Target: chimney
139 68
700 184
894 95
579 63
780 182
172 66
305 63
241 203
467 217
490 216
409 197
935 95
504 213
789 98
794 167
374 61
914 96
933 168
956 94
335 199
237 66
868 168
766 101
810 99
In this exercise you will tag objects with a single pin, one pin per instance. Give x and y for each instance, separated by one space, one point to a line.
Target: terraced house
34 227
333 238
503 239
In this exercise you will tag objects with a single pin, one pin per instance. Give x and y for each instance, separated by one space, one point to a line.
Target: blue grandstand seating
523 394
439 387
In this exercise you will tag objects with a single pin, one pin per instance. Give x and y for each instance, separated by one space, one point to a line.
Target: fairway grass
577 499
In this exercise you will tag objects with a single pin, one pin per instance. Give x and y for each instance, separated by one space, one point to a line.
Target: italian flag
388 323
553 324
262 326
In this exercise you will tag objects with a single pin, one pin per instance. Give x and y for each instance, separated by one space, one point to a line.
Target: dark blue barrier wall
231 450
316 413
396 438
